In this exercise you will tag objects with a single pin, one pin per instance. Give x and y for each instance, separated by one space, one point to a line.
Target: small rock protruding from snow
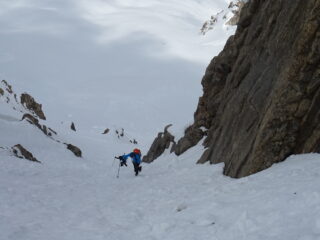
73 127
76 151
106 131
8 86
120 133
181 207
20 152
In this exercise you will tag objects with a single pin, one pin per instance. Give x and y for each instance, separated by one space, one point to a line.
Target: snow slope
67 198
71 198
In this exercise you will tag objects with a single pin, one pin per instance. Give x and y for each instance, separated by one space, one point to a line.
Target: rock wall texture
261 94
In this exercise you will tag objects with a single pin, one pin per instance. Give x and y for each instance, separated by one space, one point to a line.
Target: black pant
136 167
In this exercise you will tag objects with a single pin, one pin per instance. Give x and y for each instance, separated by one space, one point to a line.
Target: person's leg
136 168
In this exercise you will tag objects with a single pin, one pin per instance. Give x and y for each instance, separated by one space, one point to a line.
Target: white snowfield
66 198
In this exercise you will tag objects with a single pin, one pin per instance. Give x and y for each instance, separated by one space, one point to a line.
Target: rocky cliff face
261 95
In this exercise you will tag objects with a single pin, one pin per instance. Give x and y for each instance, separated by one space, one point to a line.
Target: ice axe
118 167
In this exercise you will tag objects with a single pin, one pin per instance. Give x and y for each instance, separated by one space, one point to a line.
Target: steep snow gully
80 198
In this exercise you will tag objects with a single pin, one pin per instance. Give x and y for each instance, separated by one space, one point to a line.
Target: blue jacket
136 158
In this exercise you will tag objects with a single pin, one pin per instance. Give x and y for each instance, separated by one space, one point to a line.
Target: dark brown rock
54 132
261 94
31 119
106 131
1 92
159 145
29 102
34 121
73 127
74 149
20 152
192 136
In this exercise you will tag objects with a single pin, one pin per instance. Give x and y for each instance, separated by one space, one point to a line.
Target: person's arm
125 157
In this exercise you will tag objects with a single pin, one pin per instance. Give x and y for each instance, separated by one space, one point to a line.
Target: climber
136 160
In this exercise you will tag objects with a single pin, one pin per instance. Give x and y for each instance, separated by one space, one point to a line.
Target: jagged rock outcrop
1 92
34 121
262 92
159 145
20 152
29 102
192 136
